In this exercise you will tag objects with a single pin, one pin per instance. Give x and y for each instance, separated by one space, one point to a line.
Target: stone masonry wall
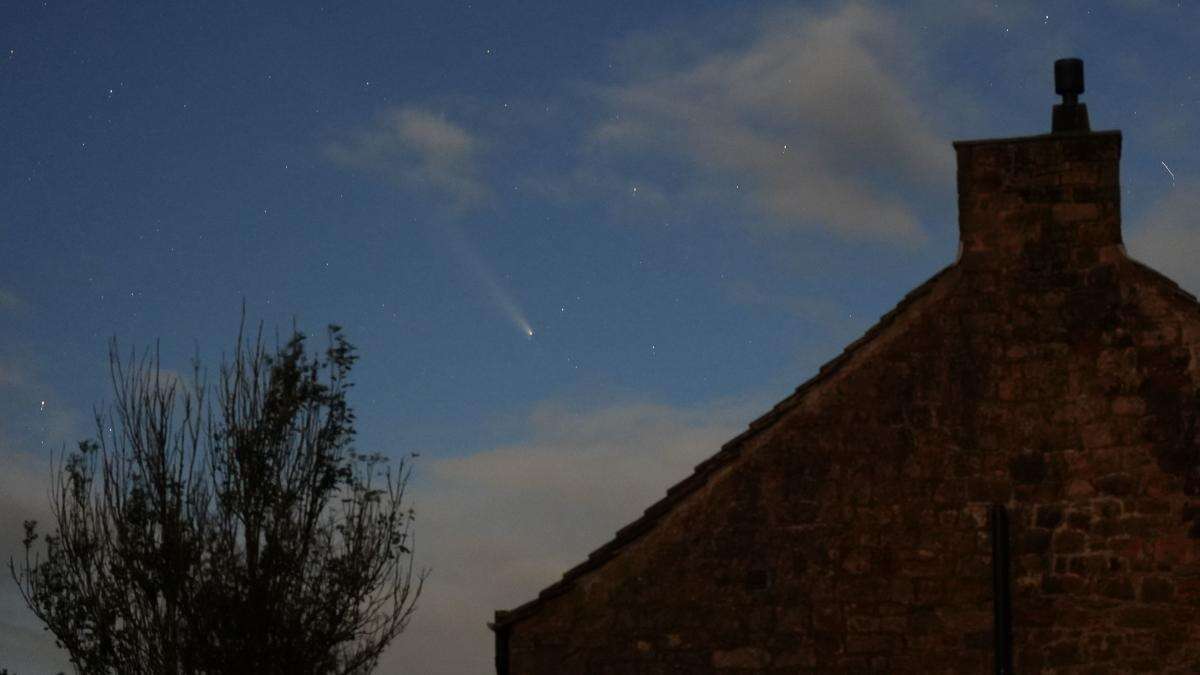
1044 370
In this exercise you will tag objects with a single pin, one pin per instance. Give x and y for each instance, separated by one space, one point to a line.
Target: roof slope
706 469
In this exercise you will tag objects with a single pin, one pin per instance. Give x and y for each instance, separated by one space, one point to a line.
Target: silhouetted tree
243 536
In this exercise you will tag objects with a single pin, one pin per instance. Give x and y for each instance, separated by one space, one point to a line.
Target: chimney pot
1070 115
1068 79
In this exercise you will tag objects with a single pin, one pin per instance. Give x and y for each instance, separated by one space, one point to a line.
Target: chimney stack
1042 203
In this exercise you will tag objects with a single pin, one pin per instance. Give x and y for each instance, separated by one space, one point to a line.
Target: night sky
579 245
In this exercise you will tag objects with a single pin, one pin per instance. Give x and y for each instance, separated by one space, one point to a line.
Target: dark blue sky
691 205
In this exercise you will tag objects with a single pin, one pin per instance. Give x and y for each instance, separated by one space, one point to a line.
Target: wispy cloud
499 525
419 151
805 122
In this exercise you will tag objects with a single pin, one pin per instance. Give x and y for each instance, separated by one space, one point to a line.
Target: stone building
847 529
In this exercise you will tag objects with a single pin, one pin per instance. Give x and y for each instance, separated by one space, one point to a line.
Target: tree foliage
241 533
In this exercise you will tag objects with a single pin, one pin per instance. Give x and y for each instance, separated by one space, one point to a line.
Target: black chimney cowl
1070 115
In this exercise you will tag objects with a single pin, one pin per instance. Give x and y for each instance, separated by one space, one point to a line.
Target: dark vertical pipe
1001 604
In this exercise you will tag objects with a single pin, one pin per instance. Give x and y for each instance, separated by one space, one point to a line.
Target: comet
500 296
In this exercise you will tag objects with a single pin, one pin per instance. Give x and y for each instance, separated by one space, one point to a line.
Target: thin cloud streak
503 523
418 151
804 124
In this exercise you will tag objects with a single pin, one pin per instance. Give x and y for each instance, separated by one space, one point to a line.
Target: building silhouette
1002 472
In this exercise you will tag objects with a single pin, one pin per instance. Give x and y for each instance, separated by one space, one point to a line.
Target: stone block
1066 542
1075 212
741 658
1118 588
1117 484
1157 589
1049 516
